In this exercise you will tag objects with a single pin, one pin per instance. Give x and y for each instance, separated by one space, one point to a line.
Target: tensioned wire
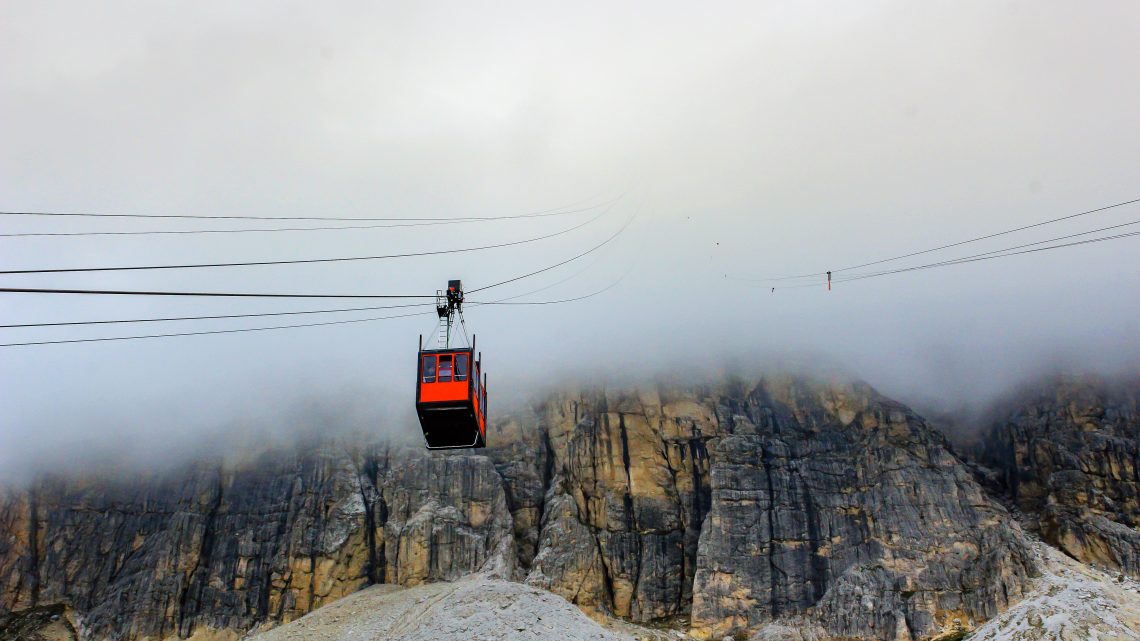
559 211
339 322
118 292
421 222
341 259
941 247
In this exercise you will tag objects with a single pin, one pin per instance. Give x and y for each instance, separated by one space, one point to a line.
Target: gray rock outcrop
723 508
1068 452
213 548
844 503
743 503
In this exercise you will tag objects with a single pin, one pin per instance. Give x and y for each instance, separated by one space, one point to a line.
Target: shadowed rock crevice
191 593
48 623
370 497
774 572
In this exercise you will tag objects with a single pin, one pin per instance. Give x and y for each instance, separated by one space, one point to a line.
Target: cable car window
445 368
461 367
429 369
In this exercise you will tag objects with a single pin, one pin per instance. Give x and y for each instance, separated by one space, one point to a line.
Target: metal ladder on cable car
445 310
445 325
443 335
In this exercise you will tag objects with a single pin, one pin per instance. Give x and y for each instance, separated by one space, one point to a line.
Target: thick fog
750 140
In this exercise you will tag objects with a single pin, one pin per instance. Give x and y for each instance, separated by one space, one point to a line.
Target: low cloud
753 140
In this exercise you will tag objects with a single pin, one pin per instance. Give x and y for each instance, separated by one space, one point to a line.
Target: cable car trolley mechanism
451 388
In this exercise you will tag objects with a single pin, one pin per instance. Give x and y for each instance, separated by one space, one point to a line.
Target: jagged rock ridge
730 505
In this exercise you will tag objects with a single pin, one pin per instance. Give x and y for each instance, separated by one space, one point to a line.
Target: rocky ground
1069 602
473 609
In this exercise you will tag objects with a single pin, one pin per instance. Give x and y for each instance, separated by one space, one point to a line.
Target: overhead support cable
123 292
319 324
217 317
426 223
1015 247
319 311
988 236
211 332
948 246
117 292
556 302
556 283
556 265
456 221
525 241
983 257
560 211
1000 253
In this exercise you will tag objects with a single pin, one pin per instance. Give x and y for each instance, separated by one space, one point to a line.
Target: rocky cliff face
723 507
1068 451
847 504
208 552
626 501
747 503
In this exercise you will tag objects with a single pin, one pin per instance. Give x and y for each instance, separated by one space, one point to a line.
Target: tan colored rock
629 489
210 551
1068 451
737 505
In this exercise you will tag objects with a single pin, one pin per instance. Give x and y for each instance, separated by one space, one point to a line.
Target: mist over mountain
751 141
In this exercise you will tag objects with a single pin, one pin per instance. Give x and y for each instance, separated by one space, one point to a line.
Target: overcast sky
751 139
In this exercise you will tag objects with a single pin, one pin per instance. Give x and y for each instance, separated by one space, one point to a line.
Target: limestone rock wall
842 504
754 501
627 499
726 506
1068 451
229 548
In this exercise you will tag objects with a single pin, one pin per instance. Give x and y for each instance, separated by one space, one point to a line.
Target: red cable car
451 388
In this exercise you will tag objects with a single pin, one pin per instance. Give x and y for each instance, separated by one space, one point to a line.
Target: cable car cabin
451 400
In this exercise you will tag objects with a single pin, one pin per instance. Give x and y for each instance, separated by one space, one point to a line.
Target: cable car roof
447 350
